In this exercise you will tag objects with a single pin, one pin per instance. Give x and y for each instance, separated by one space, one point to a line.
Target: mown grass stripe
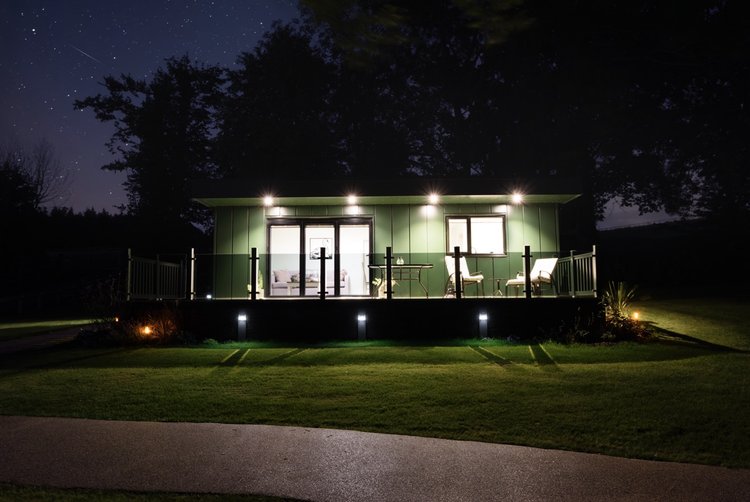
491 357
223 361
279 358
243 356
542 358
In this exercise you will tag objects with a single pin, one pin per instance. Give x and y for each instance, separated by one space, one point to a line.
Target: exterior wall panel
415 232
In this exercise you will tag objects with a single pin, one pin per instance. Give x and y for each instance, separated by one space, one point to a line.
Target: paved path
44 340
335 465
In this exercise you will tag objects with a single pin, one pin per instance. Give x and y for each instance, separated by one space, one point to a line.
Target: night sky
53 52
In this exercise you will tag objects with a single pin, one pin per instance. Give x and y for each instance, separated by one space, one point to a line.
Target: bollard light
483 317
241 326
361 326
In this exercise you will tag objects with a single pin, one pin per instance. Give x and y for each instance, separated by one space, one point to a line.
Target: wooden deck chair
467 277
541 273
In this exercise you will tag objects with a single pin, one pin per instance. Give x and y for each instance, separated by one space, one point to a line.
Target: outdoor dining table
404 272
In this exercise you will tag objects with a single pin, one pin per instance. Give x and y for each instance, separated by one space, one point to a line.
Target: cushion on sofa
282 276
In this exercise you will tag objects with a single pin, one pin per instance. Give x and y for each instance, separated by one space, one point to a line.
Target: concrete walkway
33 342
335 465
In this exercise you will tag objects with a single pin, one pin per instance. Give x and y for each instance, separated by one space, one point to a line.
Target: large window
477 234
295 256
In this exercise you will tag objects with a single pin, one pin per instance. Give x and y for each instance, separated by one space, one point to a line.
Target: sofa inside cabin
285 282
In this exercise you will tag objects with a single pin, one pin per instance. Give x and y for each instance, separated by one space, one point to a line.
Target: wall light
268 201
434 198
429 210
351 199
517 198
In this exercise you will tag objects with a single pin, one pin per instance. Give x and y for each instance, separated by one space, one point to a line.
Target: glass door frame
302 222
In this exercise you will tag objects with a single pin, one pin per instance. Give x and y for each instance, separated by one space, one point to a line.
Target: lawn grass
680 399
20 329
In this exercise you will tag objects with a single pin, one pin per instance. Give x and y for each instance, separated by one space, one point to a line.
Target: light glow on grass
676 401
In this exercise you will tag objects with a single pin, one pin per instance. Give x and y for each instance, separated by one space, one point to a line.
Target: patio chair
541 273
467 277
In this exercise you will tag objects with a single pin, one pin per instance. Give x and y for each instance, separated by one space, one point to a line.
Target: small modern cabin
352 225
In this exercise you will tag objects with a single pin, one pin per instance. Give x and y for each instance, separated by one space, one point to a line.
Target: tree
32 177
276 119
164 137
645 101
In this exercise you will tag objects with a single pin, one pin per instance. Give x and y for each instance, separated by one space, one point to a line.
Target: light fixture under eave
268 200
517 198
433 198
351 199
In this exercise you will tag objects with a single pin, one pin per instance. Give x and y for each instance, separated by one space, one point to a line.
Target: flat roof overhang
381 192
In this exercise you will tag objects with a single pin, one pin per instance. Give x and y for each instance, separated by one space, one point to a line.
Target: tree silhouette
276 118
164 137
645 101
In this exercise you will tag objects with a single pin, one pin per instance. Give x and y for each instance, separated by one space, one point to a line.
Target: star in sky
53 53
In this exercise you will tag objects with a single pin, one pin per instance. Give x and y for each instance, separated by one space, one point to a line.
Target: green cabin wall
414 232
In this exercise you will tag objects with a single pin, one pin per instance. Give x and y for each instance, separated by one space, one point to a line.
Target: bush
161 326
618 323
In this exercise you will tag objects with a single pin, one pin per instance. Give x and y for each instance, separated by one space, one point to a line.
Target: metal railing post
322 283
128 291
192 273
458 281
527 271
572 273
388 273
157 285
253 273
593 270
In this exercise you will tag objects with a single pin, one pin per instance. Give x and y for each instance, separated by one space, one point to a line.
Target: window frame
468 218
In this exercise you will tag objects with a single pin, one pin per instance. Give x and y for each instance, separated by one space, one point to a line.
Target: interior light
268 201
351 199
434 198
517 198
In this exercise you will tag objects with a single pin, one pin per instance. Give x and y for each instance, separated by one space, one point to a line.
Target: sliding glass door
297 249
319 245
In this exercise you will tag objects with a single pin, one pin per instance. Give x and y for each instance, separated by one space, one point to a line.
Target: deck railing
155 279
575 275
194 276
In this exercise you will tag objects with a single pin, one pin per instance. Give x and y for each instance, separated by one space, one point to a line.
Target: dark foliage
163 138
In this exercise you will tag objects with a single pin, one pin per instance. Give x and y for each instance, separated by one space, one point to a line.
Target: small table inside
404 272
309 286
